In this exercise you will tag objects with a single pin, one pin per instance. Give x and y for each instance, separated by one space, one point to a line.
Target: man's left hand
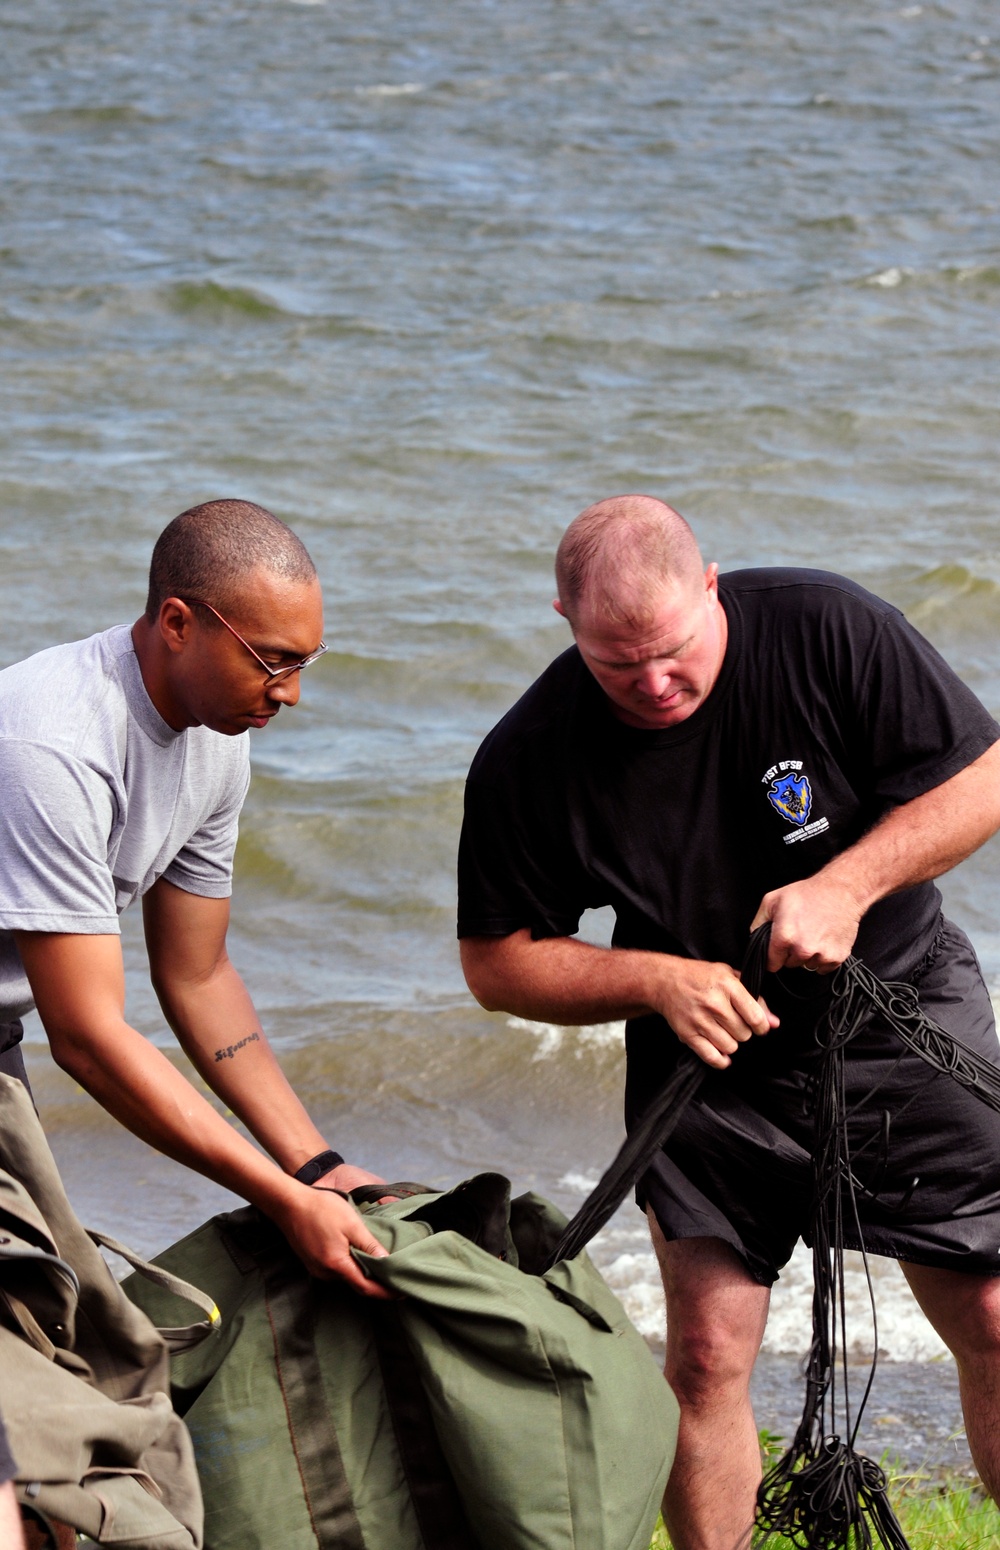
813 924
346 1177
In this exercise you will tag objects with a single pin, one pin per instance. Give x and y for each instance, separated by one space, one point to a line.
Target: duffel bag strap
371 1194
184 1337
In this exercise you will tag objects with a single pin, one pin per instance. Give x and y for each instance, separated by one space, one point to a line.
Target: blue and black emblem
791 796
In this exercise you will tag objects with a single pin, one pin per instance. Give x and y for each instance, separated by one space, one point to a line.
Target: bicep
78 982
185 934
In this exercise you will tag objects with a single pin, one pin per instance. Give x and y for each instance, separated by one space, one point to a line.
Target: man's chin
235 726
649 718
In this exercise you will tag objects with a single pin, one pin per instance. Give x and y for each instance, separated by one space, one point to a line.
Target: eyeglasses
274 674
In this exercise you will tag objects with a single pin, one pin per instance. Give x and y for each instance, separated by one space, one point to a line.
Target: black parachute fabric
654 1127
822 1494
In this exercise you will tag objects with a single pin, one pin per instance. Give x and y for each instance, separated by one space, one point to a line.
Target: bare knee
715 1320
705 1362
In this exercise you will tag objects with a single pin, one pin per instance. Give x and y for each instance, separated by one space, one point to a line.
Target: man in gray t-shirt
124 762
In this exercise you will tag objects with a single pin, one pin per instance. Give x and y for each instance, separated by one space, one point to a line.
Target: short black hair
209 551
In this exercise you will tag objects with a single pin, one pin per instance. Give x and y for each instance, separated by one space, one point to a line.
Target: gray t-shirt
99 798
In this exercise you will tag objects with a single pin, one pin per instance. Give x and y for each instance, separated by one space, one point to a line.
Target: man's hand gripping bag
490 1407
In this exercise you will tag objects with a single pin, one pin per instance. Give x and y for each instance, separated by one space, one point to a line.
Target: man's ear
559 608
175 622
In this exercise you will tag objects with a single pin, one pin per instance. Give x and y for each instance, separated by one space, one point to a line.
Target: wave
309 180
985 276
211 297
97 114
954 594
553 1038
51 307
626 1259
388 89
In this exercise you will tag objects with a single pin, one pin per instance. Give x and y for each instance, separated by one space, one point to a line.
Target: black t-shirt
829 710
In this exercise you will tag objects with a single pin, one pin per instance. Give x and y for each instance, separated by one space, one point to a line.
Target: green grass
936 1512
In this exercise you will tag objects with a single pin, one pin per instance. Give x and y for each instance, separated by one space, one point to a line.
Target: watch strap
316 1167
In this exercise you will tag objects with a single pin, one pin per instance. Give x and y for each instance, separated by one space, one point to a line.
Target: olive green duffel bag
492 1407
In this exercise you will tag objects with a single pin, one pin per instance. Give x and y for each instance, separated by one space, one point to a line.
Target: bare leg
965 1311
716 1313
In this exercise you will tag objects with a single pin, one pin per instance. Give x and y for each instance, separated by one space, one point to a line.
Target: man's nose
653 681
286 691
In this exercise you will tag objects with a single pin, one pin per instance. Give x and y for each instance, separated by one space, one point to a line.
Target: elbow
487 996
480 973
485 991
70 1054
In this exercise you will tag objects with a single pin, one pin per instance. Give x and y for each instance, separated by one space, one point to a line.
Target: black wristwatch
316 1167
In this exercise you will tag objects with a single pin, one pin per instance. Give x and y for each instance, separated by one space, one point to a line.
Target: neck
154 666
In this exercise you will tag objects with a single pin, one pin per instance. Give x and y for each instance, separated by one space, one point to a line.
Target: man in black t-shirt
714 752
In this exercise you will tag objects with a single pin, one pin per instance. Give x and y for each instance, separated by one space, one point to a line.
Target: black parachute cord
899 1007
822 1494
654 1127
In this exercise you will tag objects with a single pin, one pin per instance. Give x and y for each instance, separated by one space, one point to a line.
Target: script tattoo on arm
230 1049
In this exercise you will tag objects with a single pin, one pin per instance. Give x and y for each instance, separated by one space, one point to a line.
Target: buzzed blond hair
618 555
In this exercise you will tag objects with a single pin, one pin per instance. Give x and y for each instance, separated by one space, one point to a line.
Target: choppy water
427 279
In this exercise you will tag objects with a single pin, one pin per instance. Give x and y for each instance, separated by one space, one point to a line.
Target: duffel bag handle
184 1337
370 1194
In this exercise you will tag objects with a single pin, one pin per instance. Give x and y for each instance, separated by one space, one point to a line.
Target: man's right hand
708 1008
322 1227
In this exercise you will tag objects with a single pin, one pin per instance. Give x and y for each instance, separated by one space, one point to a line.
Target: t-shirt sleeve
204 865
922 723
56 815
513 871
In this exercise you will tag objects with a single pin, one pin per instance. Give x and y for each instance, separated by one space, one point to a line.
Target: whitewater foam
628 1263
552 1036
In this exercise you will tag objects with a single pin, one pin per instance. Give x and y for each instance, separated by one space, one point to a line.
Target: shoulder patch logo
791 796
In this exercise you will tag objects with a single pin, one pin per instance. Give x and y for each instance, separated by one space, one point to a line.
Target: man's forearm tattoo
230 1049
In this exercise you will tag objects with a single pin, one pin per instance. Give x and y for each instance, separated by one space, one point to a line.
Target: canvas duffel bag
84 1375
491 1407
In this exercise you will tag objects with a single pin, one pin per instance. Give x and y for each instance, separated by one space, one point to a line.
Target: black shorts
925 1151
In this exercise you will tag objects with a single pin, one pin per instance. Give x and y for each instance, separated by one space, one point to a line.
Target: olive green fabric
83 1373
489 1408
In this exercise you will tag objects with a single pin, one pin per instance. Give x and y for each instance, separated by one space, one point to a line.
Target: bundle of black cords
822 1494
